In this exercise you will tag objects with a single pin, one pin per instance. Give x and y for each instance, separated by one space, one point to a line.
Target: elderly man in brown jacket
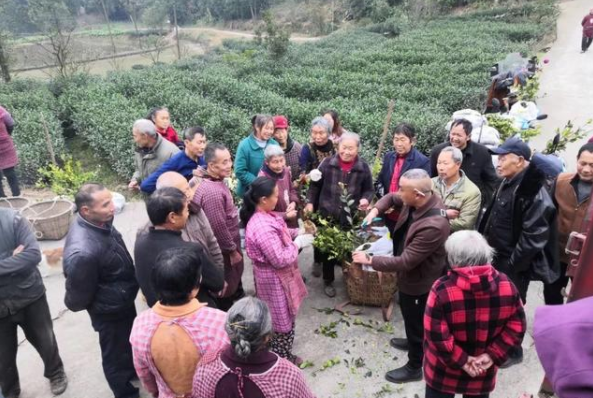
198 227
571 195
418 258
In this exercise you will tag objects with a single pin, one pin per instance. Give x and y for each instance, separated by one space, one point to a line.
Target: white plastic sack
119 201
486 135
521 114
381 247
474 117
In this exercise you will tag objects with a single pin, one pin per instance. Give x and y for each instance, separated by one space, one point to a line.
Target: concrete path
566 80
364 352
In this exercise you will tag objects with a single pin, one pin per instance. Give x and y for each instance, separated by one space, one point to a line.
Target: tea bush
30 103
431 70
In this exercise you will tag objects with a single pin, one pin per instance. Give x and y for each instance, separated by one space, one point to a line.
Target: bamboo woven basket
50 219
369 288
16 203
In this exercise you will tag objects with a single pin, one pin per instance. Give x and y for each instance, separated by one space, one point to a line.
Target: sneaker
58 384
316 270
399 343
404 374
329 290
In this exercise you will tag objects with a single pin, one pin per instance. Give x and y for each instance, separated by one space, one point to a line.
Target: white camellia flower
315 175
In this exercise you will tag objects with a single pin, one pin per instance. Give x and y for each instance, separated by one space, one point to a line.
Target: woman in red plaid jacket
473 317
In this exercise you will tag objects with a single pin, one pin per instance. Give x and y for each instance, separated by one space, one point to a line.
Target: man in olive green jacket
151 151
461 196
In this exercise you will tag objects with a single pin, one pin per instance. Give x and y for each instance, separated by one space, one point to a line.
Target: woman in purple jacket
8 155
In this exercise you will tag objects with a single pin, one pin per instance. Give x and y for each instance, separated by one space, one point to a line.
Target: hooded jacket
469 312
562 335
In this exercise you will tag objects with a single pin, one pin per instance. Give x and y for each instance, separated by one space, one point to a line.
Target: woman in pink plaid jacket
270 246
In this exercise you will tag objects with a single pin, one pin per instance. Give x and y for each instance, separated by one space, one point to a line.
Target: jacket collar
469 149
253 143
433 202
178 311
271 174
104 229
457 187
163 232
334 161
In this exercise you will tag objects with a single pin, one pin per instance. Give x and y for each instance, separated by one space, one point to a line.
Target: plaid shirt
205 327
282 380
293 159
215 198
470 311
278 282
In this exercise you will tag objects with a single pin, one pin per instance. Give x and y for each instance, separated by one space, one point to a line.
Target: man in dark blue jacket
184 162
100 278
23 303
404 157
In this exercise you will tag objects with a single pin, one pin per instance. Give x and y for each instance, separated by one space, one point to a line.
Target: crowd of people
467 241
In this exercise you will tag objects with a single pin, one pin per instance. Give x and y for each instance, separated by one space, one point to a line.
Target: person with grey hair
250 152
344 171
418 258
474 317
246 368
319 147
461 196
288 197
150 152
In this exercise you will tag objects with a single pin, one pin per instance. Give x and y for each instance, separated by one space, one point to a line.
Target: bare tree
114 62
57 23
154 45
4 58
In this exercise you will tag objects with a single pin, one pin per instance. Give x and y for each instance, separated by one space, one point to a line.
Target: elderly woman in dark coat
8 155
344 172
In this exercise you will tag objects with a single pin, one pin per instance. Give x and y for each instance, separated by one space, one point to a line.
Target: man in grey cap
520 223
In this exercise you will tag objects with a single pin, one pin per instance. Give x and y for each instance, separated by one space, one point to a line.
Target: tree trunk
176 32
109 29
4 68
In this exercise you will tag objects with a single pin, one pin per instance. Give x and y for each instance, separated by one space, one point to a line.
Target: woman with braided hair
247 368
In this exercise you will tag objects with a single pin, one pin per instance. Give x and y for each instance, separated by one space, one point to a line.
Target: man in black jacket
168 212
23 303
477 160
100 279
520 223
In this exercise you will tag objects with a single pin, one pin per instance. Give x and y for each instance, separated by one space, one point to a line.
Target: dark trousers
412 308
116 352
519 279
586 42
328 265
13 182
553 291
521 282
432 393
35 320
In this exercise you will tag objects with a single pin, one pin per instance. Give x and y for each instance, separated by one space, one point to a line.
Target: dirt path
216 36
566 79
